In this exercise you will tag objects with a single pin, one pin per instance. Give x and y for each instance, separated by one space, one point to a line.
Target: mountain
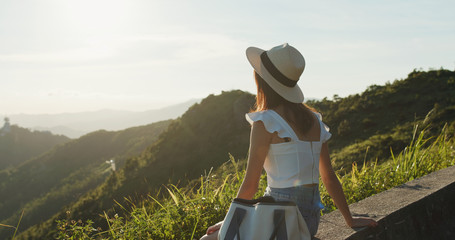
43 185
202 137
369 123
75 125
19 144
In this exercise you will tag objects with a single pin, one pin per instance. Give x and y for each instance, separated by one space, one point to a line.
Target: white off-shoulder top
290 163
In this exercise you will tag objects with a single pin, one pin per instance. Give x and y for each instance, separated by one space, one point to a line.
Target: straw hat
280 67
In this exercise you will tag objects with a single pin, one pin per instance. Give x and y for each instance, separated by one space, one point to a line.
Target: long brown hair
299 114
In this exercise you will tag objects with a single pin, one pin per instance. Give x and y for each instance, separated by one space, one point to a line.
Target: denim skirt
307 199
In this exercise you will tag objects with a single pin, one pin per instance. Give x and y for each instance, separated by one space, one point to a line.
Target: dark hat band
275 72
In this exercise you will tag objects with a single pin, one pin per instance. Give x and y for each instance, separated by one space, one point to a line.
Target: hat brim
292 94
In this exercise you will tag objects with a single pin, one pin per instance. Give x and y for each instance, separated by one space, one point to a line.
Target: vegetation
189 145
185 213
380 118
424 154
366 129
41 186
21 144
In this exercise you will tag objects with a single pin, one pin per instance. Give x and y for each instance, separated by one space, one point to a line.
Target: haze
73 56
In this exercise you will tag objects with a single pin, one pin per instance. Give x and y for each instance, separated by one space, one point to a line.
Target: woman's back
291 160
288 140
312 135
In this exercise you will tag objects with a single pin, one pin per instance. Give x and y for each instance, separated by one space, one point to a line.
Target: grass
420 157
186 212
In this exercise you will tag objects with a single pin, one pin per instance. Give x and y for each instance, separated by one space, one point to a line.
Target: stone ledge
420 209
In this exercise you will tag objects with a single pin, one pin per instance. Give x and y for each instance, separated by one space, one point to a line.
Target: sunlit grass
420 157
188 211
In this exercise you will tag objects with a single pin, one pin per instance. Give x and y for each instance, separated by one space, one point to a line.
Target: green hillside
20 144
202 138
365 126
43 185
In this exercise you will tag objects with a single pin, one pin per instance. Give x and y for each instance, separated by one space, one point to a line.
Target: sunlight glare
98 16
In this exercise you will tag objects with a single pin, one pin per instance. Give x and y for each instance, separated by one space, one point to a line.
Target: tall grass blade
4 225
194 229
17 227
176 200
111 231
157 202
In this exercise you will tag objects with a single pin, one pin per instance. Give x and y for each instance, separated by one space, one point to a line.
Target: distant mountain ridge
74 125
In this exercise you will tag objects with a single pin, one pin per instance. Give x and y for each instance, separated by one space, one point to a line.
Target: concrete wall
420 209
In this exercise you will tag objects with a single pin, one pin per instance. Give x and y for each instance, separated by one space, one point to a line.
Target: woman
289 140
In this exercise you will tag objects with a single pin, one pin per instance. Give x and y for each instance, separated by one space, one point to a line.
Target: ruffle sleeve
271 124
325 130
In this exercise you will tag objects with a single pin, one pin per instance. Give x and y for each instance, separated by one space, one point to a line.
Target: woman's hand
214 228
362 222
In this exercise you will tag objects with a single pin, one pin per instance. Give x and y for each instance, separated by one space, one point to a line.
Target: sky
61 56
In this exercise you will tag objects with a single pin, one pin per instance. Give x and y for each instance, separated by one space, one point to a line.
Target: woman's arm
333 186
260 141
